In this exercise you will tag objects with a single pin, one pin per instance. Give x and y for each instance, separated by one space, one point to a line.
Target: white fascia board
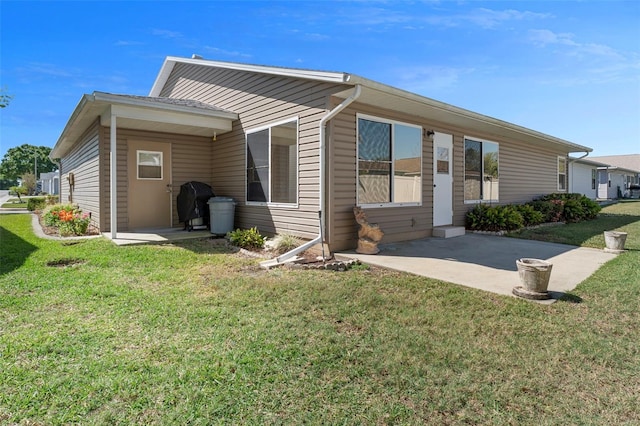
163 76
432 103
170 61
166 117
141 103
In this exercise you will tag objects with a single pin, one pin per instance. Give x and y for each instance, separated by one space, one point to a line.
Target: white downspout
114 177
323 127
322 160
570 174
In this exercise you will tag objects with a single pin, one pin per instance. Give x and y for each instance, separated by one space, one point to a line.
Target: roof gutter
322 198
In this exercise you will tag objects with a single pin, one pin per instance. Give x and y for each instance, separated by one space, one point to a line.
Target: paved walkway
487 262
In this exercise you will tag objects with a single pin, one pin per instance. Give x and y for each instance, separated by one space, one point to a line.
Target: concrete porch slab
448 231
156 236
487 262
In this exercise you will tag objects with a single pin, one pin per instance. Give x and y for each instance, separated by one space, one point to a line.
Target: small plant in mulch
249 239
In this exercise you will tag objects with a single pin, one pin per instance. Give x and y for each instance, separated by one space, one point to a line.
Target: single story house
617 175
297 149
584 177
50 183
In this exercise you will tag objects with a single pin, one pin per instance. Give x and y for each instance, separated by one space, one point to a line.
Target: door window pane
149 165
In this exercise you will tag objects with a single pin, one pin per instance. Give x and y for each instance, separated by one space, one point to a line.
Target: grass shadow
614 217
14 251
565 297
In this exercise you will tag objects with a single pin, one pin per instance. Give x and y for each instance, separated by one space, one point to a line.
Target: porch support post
113 161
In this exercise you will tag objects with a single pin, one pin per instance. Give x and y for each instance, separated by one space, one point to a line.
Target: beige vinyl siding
526 172
190 158
398 223
260 100
83 161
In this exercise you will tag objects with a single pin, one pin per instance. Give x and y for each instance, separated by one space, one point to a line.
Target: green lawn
192 333
15 203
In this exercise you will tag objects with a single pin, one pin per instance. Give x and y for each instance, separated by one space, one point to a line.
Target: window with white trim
272 164
389 162
149 164
481 170
562 174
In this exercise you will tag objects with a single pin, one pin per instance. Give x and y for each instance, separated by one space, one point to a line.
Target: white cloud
590 63
166 33
425 79
543 38
128 43
46 69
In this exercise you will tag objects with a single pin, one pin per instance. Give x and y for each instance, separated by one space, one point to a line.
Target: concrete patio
487 262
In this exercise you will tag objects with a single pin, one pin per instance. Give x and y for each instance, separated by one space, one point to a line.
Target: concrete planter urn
534 276
614 241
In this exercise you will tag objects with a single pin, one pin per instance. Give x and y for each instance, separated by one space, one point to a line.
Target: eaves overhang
142 113
391 98
375 93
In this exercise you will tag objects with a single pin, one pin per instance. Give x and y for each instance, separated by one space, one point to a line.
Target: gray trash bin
221 213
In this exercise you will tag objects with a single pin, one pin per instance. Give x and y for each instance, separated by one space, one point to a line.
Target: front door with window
442 179
149 193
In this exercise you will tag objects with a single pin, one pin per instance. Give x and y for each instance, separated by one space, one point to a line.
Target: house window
481 174
389 162
593 178
272 164
562 174
149 165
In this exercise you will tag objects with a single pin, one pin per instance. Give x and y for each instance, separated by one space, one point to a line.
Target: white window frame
464 170
269 126
566 174
393 123
142 151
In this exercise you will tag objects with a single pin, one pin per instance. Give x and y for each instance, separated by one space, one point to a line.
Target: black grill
192 204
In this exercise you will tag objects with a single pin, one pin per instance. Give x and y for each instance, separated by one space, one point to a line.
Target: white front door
442 179
603 184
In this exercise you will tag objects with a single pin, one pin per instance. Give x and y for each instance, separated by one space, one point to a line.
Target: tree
29 183
5 98
25 159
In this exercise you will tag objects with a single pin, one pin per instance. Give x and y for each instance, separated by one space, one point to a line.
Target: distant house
618 175
584 176
289 143
50 183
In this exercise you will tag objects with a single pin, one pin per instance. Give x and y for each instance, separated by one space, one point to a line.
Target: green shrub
494 218
530 216
36 203
558 207
247 238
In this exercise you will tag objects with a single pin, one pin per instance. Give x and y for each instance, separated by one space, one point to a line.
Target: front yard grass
192 333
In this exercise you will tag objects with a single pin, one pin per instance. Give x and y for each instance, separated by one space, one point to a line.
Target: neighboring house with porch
619 175
289 143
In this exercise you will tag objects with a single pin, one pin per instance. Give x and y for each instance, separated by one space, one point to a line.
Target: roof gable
375 93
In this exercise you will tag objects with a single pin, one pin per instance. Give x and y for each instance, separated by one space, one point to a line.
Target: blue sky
568 69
